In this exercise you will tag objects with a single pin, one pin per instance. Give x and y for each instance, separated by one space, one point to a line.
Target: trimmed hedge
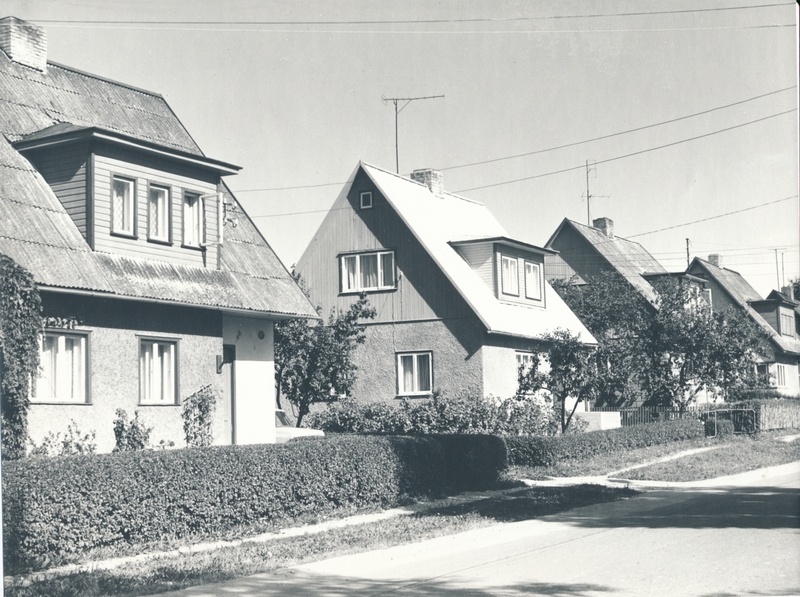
59 508
548 451
770 413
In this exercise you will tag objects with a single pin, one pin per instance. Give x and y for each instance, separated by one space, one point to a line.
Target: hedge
548 451
56 509
770 413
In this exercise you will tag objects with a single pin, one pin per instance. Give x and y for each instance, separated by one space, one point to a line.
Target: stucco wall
457 361
114 328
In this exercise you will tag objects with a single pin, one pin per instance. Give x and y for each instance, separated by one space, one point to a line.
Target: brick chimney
715 259
430 178
23 42
604 225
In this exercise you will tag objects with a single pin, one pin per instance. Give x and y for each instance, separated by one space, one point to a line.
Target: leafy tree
20 324
568 370
314 362
795 289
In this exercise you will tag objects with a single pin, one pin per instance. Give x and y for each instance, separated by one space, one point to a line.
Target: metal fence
645 414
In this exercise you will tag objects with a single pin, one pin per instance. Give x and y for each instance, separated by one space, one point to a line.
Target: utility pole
397 111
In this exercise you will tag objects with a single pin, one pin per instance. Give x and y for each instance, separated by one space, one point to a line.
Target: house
154 281
777 315
460 305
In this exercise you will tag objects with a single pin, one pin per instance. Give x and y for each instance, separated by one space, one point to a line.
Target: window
414 374
366 199
780 375
509 275
157 371
787 324
525 361
533 281
62 370
194 220
367 271
158 214
123 208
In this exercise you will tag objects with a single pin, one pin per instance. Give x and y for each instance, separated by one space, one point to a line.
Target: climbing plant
20 323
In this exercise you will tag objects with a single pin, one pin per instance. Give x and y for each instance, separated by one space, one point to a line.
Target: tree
314 362
795 289
568 370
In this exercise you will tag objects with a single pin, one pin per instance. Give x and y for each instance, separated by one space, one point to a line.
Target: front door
229 383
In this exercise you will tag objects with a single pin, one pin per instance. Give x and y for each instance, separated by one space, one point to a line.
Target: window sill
368 291
193 247
419 395
57 403
127 235
158 404
160 241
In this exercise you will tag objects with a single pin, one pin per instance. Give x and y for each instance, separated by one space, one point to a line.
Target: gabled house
777 315
460 305
154 281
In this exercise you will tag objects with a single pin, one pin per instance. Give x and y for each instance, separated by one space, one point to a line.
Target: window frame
787 321
503 290
381 287
167 238
202 230
399 386
85 384
521 357
539 281
365 204
174 343
780 375
133 232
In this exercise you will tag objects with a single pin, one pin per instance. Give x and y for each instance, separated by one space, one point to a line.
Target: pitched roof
627 257
743 294
439 220
37 232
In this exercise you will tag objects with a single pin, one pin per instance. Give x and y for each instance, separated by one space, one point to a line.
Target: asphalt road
738 536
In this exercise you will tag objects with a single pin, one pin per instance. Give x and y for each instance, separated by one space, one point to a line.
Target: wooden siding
423 292
521 257
64 170
578 253
109 162
479 257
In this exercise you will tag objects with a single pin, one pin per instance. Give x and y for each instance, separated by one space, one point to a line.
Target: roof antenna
407 101
589 196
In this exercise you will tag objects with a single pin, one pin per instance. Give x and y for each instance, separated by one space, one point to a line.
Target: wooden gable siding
422 292
64 170
578 253
479 256
109 162
521 257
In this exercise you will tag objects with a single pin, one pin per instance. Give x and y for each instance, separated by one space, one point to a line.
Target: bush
198 415
133 435
56 509
548 451
769 413
442 414
73 442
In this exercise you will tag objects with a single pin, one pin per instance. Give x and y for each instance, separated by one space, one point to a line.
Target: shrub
133 435
442 414
73 442
198 415
56 509
548 451
769 413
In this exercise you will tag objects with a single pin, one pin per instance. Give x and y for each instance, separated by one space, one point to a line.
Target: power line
738 211
625 132
416 21
628 155
554 148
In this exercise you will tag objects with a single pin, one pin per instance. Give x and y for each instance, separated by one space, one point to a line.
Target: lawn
450 517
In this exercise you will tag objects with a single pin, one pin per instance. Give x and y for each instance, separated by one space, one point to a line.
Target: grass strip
738 455
166 574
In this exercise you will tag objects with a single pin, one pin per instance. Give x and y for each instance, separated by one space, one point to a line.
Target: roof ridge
406 179
105 79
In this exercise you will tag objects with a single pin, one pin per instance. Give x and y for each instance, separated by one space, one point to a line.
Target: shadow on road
302 584
733 507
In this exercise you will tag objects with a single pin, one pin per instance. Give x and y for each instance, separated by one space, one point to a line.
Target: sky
684 110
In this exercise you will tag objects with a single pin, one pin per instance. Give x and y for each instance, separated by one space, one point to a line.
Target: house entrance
229 383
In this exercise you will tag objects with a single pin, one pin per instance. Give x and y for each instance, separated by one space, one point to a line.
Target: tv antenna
397 111
591 168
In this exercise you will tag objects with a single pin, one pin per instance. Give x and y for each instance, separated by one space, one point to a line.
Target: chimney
23 42
604 225
430 178
787 292
715 259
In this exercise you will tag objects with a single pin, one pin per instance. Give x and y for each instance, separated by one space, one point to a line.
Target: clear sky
292 92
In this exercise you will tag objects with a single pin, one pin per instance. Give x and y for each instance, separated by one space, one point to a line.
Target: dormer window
194 225
123 206
533 281
158 214
366 200
509 276
367 271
